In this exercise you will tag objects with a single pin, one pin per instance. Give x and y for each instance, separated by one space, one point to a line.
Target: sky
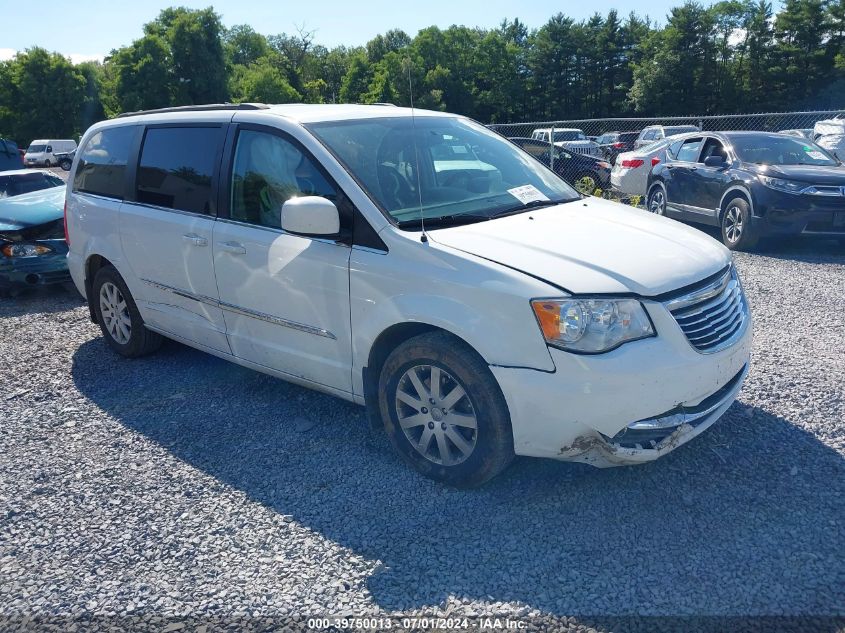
90 29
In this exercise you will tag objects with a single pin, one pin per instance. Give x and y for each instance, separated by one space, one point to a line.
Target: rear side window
176 167
690 150
102 165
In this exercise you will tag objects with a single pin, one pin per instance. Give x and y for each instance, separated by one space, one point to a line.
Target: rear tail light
618 145
633 163
654 161
67 237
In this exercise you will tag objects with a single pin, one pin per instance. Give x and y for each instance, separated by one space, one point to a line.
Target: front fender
485 305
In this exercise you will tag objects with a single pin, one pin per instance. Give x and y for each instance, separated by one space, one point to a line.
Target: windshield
24 183
570 135
36 149
780 150
465 170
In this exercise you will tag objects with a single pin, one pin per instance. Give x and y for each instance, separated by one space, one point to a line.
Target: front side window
713 147
690 150
101 169
177 166
439 167
267 171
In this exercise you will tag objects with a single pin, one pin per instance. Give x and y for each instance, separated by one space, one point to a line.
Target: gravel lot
154 491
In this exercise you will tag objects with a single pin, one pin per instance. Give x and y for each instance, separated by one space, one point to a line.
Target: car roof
298 112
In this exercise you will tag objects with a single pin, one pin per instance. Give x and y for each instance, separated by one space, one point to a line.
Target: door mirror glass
714 161
310 215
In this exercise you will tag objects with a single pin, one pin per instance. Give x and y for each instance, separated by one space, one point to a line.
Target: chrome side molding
235 309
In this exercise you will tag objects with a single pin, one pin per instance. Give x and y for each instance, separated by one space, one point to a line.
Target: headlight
591 326
25 250
789 186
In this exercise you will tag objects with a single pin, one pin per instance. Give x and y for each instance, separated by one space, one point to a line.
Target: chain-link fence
769 122
605 139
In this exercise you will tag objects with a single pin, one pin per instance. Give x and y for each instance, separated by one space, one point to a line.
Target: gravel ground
179 486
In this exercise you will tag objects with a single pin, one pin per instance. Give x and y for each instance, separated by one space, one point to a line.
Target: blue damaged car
33 250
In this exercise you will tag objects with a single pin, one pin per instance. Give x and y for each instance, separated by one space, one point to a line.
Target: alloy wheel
658 202
436 415
733 224
115 313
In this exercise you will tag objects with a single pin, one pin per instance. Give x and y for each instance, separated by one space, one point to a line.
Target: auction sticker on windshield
527 193
816 155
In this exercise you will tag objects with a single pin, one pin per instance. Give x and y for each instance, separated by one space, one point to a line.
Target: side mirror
310 216
715 161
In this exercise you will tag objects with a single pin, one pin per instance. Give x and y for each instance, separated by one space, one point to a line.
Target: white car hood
594 246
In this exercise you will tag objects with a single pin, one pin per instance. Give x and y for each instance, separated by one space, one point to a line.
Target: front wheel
119 318
443 411
737 233
65 164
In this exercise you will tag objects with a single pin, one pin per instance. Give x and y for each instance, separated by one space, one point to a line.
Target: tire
127 334
656 202
66 165
463 454
48 163
735 223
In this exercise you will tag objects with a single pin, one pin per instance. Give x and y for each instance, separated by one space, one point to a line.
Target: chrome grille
714 316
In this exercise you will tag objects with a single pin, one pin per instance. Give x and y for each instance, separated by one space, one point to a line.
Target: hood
811 174
30 209
594 246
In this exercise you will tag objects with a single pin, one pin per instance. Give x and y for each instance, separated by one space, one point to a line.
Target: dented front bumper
628 406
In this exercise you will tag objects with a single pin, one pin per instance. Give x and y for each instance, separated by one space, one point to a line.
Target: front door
711 181
166 232
285 297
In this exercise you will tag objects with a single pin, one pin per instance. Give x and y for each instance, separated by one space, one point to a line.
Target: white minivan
477 312
43 151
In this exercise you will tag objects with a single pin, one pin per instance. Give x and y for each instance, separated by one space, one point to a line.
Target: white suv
520 319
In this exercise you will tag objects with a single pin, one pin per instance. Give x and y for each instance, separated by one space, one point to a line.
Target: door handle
194 239
232 247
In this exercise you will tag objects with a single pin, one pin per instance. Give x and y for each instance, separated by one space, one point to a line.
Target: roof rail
199 108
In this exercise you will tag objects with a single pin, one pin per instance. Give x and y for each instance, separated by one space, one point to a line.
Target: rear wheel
444 412
65 164
119 318
657 200
737 233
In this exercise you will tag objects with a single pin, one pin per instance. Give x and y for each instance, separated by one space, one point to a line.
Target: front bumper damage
646 440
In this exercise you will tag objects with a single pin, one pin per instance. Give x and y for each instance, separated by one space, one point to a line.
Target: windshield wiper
534 204
444 220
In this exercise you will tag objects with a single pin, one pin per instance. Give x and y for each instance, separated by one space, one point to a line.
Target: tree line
733 56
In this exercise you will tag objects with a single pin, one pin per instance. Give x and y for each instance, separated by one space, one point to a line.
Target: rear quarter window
101 168
177 166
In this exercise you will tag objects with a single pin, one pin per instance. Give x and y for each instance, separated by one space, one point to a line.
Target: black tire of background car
66 165
494 444
141 340
747 239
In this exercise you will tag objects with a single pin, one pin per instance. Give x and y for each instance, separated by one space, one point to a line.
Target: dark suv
751 185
